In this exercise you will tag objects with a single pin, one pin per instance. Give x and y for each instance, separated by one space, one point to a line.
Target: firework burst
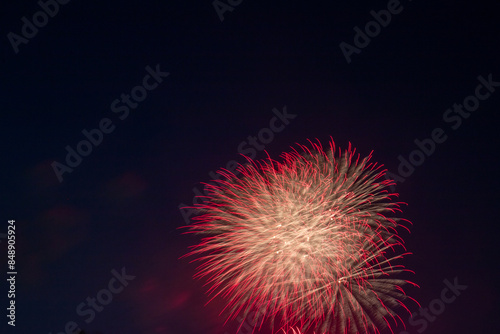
309 241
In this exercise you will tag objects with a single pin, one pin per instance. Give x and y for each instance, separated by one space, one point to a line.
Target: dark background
120 206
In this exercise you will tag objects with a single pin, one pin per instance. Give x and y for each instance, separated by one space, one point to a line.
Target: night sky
159 95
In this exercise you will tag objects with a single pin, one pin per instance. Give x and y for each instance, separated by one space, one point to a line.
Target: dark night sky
119 207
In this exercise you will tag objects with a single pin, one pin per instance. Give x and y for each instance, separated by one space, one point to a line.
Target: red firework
310 240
